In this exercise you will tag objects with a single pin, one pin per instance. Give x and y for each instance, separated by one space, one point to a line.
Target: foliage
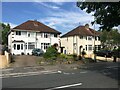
74 56
107 14
111 37
116 52
64 56
5 31
51 53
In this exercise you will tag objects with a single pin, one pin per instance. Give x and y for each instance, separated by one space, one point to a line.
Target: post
94 43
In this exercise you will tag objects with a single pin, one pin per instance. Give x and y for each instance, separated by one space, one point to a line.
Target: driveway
24 61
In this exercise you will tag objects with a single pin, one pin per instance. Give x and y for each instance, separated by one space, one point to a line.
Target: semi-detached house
81 38
31 34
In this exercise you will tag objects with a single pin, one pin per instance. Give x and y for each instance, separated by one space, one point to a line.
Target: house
23 38
81 38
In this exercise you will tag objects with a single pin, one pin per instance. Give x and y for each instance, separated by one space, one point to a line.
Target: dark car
104 53
37 52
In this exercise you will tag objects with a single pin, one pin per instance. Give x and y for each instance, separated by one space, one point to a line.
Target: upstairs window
55 35
18 32
45 45
28 34
45 35
95 37
98 38
89 38
81 37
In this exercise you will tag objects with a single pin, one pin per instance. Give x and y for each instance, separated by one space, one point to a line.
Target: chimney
87 26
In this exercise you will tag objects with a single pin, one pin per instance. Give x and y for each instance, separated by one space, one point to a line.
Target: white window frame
90 48
31 45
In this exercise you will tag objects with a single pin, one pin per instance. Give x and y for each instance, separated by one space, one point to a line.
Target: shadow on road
110 69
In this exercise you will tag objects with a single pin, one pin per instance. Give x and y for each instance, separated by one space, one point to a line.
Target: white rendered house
29 35
81 38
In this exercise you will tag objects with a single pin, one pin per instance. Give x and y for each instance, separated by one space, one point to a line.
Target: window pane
89 38
86 47
95 37
18 32
89 47
18 47
55 35
21 46
28 34
31 45
99 47
14 46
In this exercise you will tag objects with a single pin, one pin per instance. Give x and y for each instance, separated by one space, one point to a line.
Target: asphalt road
97 75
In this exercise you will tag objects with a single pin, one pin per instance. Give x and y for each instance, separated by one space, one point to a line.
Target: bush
116 52
51 53
75 57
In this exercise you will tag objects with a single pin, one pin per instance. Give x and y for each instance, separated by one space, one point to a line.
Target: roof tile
36 26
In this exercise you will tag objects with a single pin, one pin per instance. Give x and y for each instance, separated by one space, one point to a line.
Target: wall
35 37
72 44
4 60
67 42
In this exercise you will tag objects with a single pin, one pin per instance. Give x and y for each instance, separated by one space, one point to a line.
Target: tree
5 30
112 37
107 14
51 52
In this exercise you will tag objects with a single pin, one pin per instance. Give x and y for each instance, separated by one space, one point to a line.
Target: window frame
18 33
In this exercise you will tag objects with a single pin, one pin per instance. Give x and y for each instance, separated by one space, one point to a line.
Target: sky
62 16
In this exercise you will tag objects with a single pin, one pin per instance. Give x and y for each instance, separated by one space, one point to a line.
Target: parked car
104 53
37 52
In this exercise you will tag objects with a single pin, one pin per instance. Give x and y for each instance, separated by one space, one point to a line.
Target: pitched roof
83 31
35 26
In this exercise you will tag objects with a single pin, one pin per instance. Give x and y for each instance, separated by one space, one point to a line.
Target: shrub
75 57
51 53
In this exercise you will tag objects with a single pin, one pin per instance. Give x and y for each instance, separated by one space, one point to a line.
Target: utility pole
94 42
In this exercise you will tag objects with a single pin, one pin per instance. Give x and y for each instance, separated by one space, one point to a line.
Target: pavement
22 71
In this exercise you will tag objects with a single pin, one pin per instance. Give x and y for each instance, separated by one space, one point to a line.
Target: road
95 75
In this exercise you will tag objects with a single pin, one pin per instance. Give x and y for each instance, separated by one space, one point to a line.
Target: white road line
78 84
83 72
26 74
50 72
66 73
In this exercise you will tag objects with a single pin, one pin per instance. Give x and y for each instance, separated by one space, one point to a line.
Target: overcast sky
62 16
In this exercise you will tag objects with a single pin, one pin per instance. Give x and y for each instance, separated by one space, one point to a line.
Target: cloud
52 25
67 20
50 6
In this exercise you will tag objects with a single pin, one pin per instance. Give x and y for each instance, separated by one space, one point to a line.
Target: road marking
50 72
72 85
26 74
66 73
